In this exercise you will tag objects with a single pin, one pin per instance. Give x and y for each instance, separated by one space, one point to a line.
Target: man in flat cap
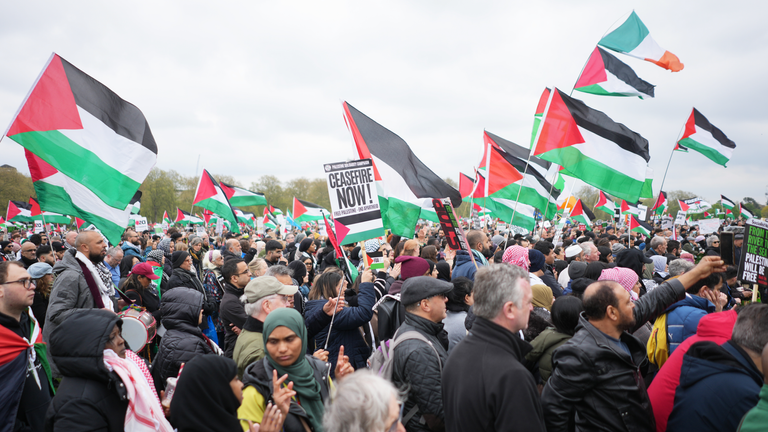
418 362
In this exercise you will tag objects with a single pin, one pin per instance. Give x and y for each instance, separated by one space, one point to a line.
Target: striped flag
186 218
702 136
304 211
743 212
209 195
46 216
604 204
636 226
88 150
606 75
580 216
661 203
18 211
727 204
633 38
683 206
166 219
539 114
240 197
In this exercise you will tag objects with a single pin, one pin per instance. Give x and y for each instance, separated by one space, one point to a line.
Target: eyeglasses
24 282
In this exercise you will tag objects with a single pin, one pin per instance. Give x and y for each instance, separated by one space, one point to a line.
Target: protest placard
754 253
680 219
141 224
354 200
708 226
667 222
39 226
452 230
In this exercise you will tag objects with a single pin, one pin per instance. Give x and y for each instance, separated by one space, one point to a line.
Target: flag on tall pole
240 197
605 75
633 38
705 138
209 195
636 226
304 211
727 204
88 150
661 203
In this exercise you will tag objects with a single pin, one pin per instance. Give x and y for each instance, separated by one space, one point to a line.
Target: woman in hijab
307 250
444 271
297 383
301 276
208 395
126 265
540 317
594 269
660 273
460 298
213 285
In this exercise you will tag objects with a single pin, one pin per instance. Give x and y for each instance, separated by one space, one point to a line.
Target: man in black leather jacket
598 373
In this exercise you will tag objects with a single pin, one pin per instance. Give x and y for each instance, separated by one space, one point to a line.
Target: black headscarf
305 244
204 400
299 270
126 265
444 271
594 269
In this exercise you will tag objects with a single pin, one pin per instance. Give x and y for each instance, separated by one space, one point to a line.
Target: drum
139 328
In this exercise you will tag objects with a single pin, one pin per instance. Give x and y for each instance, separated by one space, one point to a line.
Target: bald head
71 236
598 296
28 246
92 245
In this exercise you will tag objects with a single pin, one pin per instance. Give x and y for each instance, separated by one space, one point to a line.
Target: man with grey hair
363 402
734 368
485 385
112 263
591 254
285 275
680 266
658 246
260 297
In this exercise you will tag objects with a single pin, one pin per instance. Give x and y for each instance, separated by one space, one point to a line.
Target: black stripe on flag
625 73
101 102
703 123
600 124
357 218
395 152
518 159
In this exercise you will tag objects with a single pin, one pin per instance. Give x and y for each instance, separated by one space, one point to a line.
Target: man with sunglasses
26 389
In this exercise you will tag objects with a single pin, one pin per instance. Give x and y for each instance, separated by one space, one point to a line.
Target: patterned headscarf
372 245
517 255
627 278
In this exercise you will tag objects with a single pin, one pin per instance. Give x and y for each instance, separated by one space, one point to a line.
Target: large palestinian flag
209 195
403 182
304 211
18 211
88 150
702 136
606 75
633 38
240 197
593 148
46 216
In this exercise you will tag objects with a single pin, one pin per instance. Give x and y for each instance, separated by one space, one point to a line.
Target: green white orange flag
88 150
578 215
209 195
240 197
705 138
633 38
605 75
304 211
636 226
593 148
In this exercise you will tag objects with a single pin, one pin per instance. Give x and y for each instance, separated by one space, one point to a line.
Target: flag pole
546 208
670 159
532 150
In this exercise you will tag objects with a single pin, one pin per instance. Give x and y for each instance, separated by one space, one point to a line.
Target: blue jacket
718 385
131 250
345 329
683 318
464 267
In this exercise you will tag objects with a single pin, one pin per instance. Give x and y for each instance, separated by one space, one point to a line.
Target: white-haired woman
364 402
214 285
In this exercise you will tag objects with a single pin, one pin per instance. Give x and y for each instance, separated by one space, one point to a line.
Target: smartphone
726 248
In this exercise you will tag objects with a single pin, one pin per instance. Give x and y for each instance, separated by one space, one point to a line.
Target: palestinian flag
404 183
702 136
268 223
186 218
240 197
604 204
207 216
661 203
683 206
157 269
636 226
374 260
209 195
540 108
268 210
166 219
579 215
304 211
593 148
499 173
79 223
634 39
470 188
88 150
606 75
519 214
746 214
135 205
727 204
46 217
533 188
18 211
244 218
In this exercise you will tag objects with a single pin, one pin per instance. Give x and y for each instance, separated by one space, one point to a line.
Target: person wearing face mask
298 384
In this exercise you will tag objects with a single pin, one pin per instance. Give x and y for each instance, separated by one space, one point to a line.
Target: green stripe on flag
78 163
707 151
363 235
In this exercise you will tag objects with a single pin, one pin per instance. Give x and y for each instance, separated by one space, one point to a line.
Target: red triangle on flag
35 211
38 168
594 71
332 238
298 208
50 105
559 129
205 188
79 222
500 173
683 206
228 191
341 231
179 215
601 200
577 208
624 207
12 211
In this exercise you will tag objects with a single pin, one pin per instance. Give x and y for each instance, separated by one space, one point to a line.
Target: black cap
739 237
418 288
58 247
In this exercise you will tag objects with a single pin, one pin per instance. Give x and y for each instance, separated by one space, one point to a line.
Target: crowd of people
598 329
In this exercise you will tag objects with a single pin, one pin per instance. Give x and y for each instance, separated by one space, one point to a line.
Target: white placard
708 226
141 224
199 230
680 219
667 223
39 226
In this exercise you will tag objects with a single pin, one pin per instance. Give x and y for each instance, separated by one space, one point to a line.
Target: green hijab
301 373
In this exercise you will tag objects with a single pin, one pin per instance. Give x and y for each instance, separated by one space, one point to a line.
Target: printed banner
697 205
453 232
354 201
754 253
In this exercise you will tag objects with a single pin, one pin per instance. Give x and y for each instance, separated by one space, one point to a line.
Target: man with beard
6 251
481 249
78 284
598 373
132 245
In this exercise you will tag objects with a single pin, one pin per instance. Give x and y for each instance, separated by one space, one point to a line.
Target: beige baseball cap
264 286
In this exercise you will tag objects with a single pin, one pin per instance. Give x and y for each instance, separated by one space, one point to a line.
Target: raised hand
271 421
343 367
395 272
321 354
282 395
334 303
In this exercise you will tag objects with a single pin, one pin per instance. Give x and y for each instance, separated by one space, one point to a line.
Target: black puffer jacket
259 375
183 340
416 365
187 279
601 382
231 311
90 397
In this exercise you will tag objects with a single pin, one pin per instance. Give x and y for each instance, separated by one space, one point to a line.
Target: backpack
390 314
658 343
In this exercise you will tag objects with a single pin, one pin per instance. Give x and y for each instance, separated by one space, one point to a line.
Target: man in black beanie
184 276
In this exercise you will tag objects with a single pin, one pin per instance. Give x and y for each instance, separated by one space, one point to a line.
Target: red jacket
715 327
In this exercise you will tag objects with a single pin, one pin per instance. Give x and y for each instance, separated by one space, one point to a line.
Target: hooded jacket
683 318
90 397
463 266
485 385
132 250
601 382
188 279
715 327
183 340
544 346
718 385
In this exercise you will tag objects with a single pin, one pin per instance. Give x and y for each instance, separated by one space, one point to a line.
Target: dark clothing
183 340
231 311
40 307
416 366
90 397
252 252
544 346
718 385
146 298
188 279
22 403
712 251
485 385
463 266
601 382
549 279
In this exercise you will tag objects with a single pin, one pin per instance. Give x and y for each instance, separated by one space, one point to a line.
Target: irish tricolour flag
88 150
633 38
606 75
209 195
702 136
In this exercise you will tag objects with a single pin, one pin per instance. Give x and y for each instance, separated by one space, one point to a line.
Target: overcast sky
256 88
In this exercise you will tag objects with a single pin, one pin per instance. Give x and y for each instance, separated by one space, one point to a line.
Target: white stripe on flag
86 200
610 154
